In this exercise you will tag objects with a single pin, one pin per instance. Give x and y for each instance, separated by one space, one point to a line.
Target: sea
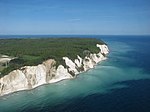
119 84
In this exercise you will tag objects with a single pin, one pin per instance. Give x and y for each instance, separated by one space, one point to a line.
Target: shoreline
31 77
5 95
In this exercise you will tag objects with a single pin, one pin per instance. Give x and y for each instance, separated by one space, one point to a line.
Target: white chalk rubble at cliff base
29 77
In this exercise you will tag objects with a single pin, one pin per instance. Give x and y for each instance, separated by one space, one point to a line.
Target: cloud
74 19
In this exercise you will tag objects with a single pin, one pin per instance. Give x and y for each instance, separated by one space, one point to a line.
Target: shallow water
121 83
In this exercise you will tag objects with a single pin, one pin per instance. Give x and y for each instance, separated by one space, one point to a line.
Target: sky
98 17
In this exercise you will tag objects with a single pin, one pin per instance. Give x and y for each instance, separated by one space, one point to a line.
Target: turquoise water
119 84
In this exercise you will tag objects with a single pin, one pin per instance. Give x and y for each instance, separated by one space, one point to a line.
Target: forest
33 51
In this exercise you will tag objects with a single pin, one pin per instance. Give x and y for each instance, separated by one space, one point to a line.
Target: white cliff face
88 63
93 59
61 74
36 75
78 61
71 65
29 77
104 49
14 81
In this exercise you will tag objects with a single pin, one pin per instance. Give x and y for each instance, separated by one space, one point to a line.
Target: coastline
63 73
47 83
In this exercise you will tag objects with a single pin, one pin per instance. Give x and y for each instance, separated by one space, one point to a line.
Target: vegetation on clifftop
35 51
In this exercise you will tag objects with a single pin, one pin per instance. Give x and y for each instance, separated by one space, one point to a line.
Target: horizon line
75 34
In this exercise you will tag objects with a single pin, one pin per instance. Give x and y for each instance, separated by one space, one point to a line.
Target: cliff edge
29 77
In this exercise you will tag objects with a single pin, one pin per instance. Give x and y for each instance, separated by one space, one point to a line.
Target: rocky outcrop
29 77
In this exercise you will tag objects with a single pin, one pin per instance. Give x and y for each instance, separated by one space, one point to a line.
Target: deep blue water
119 84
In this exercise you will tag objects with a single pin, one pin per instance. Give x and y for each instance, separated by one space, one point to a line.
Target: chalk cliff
29 77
